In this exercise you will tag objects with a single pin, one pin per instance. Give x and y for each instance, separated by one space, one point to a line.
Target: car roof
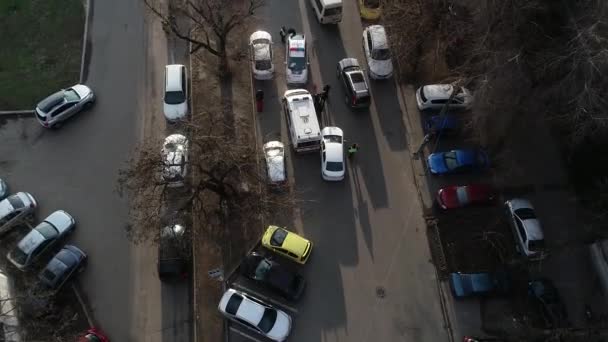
173 77
334 151
438 91
51 101
378 34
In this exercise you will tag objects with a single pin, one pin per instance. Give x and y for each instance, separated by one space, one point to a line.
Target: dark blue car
457 161
442 124
471 284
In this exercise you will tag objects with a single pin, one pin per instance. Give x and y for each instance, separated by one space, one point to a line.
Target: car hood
436 163
82 90
175 111
281 328
381 68
295 243
61 220
468 284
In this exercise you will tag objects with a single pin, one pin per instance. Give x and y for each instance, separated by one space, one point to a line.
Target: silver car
274 153
55 109
175 159
526 228
14 209
39 239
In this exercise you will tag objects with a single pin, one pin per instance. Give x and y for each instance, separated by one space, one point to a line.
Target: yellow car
370 9
286 243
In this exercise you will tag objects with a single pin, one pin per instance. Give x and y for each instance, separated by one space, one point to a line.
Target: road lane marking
265 298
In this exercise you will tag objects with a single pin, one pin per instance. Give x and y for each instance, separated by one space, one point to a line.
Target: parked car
173 253
370 9
287 244
271 274
458 196
260 46
442 125
526 228
175 99
274 154
332 154
60 106
435 96
457 161
3 189
62 268
377 52
14 209
296 60
546 295
175 157
356 91
255 314
93 335
46 234
483 283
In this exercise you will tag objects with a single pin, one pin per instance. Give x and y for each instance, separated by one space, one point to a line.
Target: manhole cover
380 292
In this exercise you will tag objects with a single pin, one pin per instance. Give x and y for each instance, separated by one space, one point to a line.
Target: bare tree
212 20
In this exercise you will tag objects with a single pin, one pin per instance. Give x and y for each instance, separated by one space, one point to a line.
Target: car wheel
88 105
346 99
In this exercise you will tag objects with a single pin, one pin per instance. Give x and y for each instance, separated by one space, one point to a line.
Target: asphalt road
75 168
370 275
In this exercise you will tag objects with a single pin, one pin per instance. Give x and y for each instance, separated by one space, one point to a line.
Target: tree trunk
223 57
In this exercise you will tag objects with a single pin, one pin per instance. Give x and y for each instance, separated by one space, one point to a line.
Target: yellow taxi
287 244
370 9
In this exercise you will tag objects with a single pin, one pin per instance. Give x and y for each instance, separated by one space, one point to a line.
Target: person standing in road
354 148
282 33
325 93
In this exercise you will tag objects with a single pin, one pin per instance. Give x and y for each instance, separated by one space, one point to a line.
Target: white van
302 120
328 11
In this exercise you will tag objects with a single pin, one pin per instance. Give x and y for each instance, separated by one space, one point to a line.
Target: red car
93 335
457 196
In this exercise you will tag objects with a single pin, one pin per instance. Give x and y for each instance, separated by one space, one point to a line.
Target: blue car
442 124
457 161
471 284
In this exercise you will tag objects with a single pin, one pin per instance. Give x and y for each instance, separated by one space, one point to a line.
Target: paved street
368 230
75 168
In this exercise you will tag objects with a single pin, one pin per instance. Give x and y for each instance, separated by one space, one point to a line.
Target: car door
64 112
323 155
521 235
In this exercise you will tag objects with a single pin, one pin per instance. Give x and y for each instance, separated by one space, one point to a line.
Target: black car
271 274
544 293
62 267
173 253
355 87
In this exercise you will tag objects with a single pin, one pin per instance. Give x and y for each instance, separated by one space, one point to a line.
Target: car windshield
263 268
175 97
274 151
372 3
278 237
16 202
268 320
536 245
263 65
357 77
332 11
451 162
70 95
333 138
381 54
335 166
525 213
19 256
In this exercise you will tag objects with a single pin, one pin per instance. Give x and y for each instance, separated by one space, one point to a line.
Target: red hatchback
457 196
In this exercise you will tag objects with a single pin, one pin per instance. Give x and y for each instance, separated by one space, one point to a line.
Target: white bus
304 131
328 11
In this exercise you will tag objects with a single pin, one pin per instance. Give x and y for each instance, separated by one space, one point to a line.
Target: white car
254 314
526 228
274 153
435 96
175 160
14 209
260 45
332 154
377 53
296 60
175 100
56 108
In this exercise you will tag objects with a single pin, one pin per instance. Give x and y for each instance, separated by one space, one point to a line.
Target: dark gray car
62 267
41 238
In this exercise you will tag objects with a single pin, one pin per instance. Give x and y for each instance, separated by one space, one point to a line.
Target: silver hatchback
56 108
14 209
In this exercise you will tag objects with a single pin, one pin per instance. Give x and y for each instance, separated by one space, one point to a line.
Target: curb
87 10
16 113
85 308
418 165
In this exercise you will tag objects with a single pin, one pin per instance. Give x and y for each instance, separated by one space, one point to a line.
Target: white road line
245 335
265 298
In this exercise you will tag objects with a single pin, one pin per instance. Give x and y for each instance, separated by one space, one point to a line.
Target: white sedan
260 45
435 96
175 160
252 313
274 153
332 154
377 53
